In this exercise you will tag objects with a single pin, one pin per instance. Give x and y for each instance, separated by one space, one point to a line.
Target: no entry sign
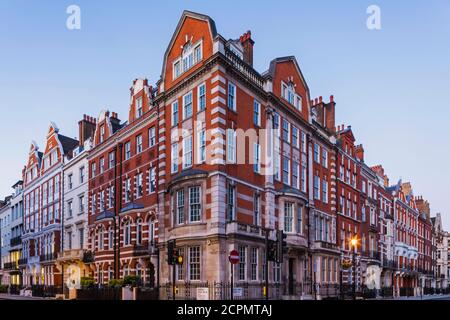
234 257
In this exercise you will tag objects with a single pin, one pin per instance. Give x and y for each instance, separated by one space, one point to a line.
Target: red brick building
123 203
42 209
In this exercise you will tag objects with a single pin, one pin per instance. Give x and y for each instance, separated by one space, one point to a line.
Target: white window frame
286 171
256 158
186 103
200 96
201 138
139 107
231 146
174 158
257 113
187 152
231 98
152 137
139 147
175 114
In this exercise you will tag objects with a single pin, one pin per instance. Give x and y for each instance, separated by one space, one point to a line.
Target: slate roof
132 206
105 215
67 143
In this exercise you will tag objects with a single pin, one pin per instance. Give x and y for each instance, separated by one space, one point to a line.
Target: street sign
234 257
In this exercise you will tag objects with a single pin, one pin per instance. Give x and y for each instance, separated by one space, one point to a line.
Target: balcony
16 241
140 249
325 245
375 255
23 261
243 67
10 266
389 264
71 255
88 257
49 257
242 228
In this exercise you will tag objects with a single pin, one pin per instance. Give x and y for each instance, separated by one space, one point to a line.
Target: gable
286 70
192 28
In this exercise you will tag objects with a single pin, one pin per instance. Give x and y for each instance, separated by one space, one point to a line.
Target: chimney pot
320 99
331 98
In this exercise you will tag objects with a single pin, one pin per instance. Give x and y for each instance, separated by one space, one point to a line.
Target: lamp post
354 244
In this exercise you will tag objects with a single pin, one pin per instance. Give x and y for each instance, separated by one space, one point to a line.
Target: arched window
100 275
111 238
127 233
110 273
101 238
139 231
139 271
126 270
151 232
187 57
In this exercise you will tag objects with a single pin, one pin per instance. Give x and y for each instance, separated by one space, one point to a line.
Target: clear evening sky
391 85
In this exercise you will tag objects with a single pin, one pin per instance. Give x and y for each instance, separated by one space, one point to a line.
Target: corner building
222 181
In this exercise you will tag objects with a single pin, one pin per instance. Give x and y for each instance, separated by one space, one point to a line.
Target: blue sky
391 84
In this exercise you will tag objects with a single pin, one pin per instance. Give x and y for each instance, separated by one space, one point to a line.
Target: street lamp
354 245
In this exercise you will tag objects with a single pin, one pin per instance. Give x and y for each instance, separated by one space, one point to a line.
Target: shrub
132 281
87 282
3 289
115 282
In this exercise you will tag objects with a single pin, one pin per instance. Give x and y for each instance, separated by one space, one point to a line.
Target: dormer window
139 107
191 55
288 93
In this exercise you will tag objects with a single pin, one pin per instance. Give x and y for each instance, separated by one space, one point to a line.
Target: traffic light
171 252
281 245
271 251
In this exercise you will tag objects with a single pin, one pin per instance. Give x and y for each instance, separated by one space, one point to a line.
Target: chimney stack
86 128
330 120
359 152
247 44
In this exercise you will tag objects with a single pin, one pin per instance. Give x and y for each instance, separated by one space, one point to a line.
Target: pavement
14 297
419 298
423 298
